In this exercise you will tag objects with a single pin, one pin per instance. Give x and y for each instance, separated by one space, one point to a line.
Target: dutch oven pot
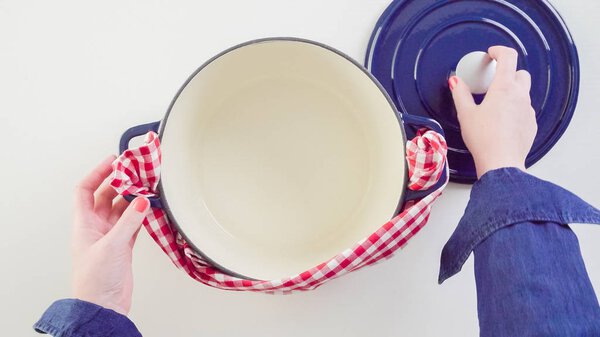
278 154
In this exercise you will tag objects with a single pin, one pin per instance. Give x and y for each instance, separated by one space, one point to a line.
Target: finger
130 222
506 59
104 199
134 238
524 79
119 206
463 99
84 193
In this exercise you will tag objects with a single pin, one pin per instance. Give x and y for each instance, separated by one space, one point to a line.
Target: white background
75 74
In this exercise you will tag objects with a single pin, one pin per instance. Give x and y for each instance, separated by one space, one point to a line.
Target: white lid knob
477 69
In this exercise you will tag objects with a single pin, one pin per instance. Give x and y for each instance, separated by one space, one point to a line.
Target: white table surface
75 74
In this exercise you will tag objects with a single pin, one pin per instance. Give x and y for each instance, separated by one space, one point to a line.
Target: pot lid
417 45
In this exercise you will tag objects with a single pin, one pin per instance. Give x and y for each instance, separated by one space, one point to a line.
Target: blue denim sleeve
504 197
75 318
531 281
530 275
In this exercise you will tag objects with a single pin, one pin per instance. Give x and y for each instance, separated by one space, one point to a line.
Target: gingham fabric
424 155
137 172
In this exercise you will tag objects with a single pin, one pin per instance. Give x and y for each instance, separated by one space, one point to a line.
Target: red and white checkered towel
137 172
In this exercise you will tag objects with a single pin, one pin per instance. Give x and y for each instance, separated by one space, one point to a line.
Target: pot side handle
412 124
127 136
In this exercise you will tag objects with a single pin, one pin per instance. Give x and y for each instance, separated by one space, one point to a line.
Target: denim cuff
76 318
504 197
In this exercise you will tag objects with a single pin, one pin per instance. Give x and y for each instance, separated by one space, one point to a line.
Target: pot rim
163 123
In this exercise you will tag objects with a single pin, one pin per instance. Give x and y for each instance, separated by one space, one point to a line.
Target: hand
105 229
500 131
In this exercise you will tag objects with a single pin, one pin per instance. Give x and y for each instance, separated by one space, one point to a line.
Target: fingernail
452 82
141 204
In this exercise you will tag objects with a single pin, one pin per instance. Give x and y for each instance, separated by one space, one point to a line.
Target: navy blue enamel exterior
417 44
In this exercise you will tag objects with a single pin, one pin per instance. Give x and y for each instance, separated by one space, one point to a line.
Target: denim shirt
76 318
530 276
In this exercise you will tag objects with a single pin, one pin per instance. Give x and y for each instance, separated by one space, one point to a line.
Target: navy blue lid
417 44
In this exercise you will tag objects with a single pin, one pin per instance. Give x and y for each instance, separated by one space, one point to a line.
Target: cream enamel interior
278 155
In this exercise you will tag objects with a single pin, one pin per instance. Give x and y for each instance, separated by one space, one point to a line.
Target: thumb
130 222
463 99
